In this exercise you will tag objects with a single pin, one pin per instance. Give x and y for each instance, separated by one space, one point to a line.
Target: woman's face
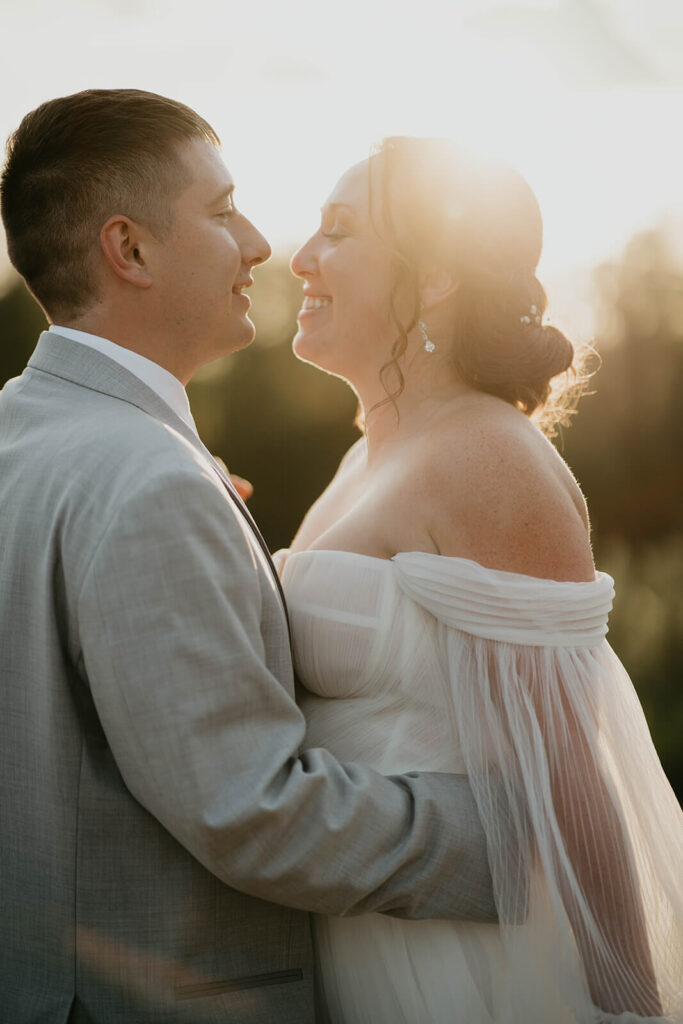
349 273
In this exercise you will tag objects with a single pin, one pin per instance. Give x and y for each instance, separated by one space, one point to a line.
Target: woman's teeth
315 302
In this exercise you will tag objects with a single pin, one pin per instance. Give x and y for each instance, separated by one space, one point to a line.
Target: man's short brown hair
74 162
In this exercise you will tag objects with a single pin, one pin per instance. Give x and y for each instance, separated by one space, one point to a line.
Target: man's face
203 264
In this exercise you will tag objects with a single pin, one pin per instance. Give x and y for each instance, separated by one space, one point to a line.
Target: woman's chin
319 356
305 348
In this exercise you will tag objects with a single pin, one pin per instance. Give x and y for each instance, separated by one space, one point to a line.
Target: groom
162 832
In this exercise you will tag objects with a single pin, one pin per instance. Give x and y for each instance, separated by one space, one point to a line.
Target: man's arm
208 740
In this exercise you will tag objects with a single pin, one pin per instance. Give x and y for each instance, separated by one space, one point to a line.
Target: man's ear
124 244
436 285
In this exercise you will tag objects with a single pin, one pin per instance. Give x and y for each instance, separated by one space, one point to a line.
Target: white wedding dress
429 663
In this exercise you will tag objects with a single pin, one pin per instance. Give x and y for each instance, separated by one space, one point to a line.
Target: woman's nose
303 260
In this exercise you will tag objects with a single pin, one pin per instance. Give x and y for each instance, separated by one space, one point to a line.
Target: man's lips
246 282
238 288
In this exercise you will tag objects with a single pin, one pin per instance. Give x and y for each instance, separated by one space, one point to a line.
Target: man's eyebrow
338 206
223 194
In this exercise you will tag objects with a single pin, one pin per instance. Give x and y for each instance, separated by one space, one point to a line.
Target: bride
447 615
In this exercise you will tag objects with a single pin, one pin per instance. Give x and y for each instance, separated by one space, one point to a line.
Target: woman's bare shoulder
502 495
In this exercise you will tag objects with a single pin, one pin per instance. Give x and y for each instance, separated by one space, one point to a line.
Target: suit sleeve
209 741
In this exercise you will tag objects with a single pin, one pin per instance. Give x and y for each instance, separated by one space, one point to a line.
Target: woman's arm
617 957
511 507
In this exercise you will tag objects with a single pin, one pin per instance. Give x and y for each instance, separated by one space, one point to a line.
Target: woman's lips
313 304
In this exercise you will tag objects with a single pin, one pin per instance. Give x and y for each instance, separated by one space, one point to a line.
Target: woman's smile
312 305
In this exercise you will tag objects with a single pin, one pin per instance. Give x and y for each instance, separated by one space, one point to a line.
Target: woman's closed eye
335 232
336 222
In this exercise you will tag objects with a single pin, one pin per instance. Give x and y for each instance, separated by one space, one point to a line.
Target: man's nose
255 247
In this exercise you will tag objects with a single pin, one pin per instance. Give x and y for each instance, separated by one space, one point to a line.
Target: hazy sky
584 96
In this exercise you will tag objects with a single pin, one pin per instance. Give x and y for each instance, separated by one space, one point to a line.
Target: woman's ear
123 244
436 285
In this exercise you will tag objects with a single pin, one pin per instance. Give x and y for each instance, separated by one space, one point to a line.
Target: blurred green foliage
284 426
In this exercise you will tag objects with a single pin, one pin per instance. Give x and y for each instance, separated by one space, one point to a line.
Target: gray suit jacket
162 832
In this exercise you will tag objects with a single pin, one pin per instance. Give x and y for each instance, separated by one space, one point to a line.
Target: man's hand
242 486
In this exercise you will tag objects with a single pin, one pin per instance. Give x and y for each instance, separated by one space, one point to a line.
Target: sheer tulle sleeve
586 846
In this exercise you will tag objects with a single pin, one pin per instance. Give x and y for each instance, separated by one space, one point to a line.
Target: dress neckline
446 561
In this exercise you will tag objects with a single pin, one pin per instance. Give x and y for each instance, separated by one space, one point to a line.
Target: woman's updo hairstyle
441 206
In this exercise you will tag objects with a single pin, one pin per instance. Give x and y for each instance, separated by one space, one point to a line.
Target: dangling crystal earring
429 344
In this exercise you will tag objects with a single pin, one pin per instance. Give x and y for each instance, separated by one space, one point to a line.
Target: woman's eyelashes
335 232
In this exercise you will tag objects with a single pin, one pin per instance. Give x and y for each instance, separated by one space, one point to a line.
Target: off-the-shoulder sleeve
506 606
586 848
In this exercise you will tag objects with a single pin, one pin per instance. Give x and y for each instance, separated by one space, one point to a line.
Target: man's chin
242 336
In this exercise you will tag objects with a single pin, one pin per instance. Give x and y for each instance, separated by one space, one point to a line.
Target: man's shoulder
95 417
94 446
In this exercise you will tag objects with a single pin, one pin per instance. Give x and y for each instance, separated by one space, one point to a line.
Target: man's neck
151 373
144 342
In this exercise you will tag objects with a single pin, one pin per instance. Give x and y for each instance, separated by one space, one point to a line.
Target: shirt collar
156 377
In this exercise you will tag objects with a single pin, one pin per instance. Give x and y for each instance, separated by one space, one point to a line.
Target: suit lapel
89 368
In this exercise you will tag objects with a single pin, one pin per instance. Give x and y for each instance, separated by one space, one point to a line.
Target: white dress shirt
163 383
